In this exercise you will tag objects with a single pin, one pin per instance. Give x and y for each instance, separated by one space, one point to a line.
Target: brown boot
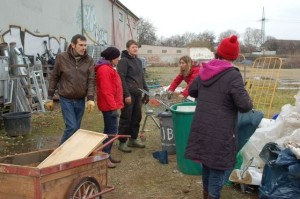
210 197
205 194
114 160
110 164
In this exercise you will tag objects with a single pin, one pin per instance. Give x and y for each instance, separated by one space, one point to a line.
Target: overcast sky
173 17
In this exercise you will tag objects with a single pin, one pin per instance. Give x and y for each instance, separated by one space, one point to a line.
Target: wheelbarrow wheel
85 188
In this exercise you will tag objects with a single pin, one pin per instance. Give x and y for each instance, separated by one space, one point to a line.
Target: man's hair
131 42
76 37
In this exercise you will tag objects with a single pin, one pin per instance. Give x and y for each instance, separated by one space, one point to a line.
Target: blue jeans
214 180
110 127
72 111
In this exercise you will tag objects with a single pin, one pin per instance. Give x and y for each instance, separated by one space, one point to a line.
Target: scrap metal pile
22 83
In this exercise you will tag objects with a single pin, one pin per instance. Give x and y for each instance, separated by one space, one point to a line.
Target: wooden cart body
20 178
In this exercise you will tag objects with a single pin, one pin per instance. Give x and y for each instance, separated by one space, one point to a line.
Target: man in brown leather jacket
74 77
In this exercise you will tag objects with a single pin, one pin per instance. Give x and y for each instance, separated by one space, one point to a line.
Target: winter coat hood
101 62
209 72
126 54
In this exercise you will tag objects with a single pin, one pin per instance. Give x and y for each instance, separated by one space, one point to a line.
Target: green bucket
182 115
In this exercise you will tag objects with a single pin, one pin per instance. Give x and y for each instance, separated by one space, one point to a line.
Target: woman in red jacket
188 72
109 94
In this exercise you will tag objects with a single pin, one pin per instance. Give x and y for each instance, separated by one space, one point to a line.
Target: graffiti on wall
89 18
34 44
101 36
95 33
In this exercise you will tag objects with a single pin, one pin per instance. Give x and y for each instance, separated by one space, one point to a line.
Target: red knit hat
229 48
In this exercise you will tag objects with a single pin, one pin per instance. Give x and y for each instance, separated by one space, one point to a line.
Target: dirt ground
139 175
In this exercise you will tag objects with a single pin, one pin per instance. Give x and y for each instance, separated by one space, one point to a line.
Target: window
164 51
149 51
121 16
178 51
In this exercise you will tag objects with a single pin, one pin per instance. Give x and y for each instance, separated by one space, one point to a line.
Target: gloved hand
90 106
49 106
115 113
170 94
145 99
181 96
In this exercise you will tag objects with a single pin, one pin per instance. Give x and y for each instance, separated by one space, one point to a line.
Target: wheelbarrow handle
111 140
106 189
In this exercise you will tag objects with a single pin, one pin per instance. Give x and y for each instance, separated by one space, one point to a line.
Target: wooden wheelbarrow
23 175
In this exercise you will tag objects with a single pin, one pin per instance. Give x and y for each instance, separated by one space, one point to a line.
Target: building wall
169 56
161 55
56 21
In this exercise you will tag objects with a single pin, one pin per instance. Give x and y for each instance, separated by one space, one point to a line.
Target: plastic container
182 115
17 123
167 132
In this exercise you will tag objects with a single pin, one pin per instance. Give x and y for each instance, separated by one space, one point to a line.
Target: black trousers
130 118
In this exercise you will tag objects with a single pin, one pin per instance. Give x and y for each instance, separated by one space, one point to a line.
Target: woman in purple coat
220 94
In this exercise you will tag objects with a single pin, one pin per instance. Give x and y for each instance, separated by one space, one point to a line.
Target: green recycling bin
182 115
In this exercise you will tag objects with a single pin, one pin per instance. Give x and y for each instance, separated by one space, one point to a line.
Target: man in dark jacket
220 94
131 72
74 77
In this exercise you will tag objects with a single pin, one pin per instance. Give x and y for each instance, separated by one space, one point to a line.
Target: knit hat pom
233 38
229 48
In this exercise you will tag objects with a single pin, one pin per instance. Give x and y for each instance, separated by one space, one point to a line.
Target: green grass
165 75
47 128
281 98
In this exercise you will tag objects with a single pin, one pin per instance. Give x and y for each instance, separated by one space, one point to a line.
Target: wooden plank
80 145
16 186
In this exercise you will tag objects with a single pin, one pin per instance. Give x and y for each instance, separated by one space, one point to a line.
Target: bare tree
200 43
227 33
271 43
173 41
146 32
188 37
207 37
252 37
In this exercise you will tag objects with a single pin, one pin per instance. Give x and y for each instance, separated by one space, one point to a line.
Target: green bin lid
185 107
